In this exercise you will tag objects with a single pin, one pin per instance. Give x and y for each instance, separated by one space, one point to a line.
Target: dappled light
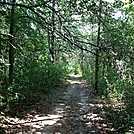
66 67
76 111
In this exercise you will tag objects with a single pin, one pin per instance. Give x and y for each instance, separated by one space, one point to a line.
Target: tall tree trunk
97 49
11 44
51 38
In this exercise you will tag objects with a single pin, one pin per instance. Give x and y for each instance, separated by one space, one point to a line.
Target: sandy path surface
73 113
71 110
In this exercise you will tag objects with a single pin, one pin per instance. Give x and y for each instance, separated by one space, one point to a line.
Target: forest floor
77 110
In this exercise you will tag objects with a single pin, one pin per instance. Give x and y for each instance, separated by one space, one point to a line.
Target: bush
38 77
34 79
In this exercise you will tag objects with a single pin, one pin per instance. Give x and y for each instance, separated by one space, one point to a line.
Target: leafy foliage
42 41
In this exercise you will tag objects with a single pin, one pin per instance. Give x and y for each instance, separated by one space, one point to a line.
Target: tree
56 31
97 49
11 43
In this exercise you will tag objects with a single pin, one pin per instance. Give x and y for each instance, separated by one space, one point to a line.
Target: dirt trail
73 113
72 108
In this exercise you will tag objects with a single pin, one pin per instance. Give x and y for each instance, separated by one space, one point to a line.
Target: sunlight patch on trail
75 79
72 113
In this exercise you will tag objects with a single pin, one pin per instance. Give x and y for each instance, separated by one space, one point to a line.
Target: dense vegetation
41 42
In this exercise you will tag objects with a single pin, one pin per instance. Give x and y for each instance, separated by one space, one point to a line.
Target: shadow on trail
77 111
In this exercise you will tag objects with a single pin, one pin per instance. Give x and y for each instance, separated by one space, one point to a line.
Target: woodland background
42 41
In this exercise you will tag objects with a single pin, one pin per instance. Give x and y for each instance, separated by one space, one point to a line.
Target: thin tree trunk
49 43
97 50
52 34
11 44
81 62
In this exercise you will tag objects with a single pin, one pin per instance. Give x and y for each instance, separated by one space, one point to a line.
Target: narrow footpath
77 111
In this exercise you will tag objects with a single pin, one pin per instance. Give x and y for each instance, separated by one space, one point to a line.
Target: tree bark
97 50
11 44
51 37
